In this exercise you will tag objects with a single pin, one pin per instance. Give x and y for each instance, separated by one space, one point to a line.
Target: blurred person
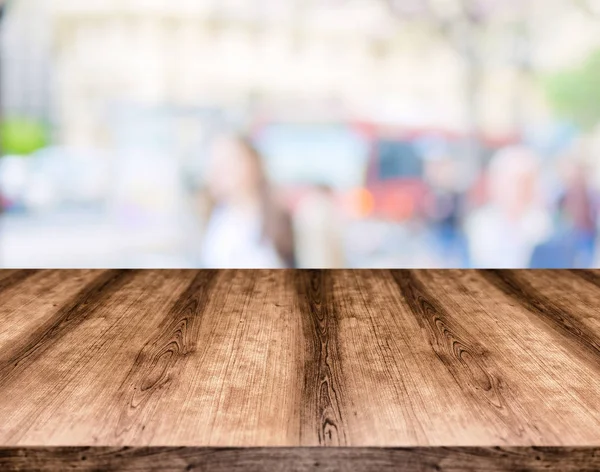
442 208
572 242
504 233
245 227
318 230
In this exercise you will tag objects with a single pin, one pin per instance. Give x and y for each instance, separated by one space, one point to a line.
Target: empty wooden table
242 369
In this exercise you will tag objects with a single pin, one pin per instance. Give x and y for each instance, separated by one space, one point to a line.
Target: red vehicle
395 185
378 170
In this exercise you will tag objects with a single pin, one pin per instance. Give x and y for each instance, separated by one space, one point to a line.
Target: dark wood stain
591 276
337 459
542 306
322 389
349 370
15 278
67 317
161 357
465 357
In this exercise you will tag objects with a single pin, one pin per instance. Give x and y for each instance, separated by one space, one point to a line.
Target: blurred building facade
133 90
27 72
353 55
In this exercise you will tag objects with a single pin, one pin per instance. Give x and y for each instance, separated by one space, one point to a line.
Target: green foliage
575 93
22 136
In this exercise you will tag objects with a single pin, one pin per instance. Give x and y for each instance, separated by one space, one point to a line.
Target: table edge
360 459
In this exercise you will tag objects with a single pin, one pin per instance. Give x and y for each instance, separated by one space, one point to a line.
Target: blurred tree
591 7
22 136
575 93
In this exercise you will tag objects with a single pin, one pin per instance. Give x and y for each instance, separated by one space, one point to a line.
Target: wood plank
334 459
428 368
522 347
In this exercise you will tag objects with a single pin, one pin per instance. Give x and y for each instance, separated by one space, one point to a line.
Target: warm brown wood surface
120 369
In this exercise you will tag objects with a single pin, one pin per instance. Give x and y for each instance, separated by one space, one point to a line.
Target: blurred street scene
300 133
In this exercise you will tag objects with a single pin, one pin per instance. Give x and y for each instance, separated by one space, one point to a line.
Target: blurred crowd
522 211
366 133
532 221
408 207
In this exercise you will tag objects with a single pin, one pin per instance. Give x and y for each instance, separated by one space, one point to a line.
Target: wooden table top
106 359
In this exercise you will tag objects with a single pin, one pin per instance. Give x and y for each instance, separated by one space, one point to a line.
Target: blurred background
304 133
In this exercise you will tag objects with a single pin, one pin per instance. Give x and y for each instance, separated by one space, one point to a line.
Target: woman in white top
246 228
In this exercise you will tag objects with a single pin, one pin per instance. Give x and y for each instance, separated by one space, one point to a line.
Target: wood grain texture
335 459
434 369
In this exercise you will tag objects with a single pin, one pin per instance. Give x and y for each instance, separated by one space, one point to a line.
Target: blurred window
313 154
398 159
